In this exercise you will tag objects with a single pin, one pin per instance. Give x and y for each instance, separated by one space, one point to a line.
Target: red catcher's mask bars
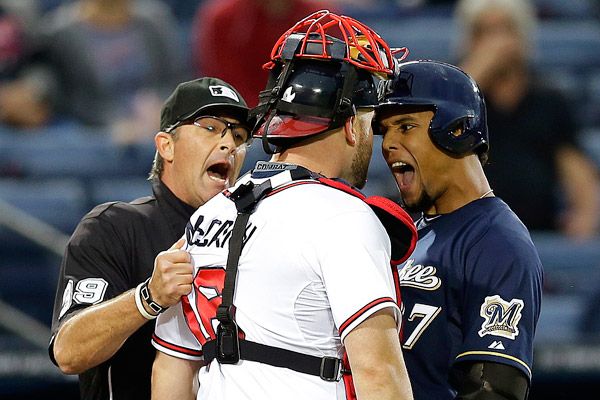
365 49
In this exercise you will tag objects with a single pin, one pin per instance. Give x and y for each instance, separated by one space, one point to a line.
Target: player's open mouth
219 171
404 173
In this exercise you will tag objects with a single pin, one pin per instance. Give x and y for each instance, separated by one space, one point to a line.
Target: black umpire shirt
111 251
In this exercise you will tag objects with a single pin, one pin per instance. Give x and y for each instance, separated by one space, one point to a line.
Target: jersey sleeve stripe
357 315
174 349
493 353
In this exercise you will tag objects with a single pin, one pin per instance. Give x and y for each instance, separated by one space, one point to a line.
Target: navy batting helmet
322 69
451 94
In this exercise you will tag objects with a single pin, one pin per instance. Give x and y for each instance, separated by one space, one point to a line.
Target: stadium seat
559 319
590 141
572 9
571 44
119 189
571 266
571 276
60 203
426 37
591 107
44 155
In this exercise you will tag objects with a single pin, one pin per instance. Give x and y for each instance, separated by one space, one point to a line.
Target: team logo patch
497 345
223 91
500 317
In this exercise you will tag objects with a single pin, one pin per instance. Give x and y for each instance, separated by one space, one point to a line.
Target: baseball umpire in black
109 289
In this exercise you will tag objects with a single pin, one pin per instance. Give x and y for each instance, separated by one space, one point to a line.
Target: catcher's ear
349 130
165 145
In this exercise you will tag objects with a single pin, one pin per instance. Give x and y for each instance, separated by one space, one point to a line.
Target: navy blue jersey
470 291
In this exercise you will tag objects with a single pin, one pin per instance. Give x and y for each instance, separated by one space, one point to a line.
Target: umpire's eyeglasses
217 126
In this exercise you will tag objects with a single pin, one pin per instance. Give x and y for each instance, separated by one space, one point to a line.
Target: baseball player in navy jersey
310 293
471 290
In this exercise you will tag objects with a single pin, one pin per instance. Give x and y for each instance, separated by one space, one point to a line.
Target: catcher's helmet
318 80
451 94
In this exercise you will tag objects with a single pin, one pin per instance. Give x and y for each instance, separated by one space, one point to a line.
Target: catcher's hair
158 165
467 12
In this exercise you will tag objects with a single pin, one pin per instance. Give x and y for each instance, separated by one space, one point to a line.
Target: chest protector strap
228 348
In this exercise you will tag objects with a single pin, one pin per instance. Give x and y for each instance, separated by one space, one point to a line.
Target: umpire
108 295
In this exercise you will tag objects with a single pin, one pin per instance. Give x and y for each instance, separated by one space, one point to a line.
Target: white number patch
427 313
90 291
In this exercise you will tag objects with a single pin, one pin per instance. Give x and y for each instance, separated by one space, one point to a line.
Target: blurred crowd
108 64
90 71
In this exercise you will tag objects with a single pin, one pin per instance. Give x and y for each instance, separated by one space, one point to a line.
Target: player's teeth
398 164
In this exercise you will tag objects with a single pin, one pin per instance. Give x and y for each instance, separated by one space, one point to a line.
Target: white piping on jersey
493 353
110 393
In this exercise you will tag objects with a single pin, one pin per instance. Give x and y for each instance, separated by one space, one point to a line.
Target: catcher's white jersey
315 264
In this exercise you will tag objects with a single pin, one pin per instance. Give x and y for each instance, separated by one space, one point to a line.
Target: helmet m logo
500 317
223 91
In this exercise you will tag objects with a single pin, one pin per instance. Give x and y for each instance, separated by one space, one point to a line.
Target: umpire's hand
172 276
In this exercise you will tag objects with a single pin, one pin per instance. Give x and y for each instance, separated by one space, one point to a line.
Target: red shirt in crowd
232 39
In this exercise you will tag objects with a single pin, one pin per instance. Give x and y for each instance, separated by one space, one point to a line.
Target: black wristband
147 297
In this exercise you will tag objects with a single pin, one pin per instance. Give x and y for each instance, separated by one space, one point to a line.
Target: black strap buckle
228 341
331 369
247 196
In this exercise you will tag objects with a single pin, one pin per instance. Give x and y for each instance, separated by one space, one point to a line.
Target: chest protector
228 347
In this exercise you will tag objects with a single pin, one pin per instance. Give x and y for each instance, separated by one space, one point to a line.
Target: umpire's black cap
203 96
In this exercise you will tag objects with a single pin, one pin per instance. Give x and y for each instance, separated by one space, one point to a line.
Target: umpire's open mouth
219 171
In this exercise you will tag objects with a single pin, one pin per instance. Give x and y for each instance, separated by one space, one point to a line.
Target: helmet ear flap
345 107
455 137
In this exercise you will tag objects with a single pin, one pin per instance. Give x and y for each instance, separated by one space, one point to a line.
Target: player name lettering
419 276
215 233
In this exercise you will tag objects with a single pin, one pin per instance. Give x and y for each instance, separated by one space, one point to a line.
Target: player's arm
173 378
95 334
508 279
486 380
376 359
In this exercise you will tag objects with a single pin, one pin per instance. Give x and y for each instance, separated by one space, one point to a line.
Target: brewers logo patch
500 317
